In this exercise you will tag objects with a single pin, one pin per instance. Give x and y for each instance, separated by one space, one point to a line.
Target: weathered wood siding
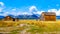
8 18
48 16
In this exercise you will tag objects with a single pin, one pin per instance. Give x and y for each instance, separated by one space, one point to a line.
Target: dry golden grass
43 26
36 22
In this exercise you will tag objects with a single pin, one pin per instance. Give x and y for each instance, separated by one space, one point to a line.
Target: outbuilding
48 16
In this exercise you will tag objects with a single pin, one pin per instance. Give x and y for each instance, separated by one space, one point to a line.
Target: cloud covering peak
32 8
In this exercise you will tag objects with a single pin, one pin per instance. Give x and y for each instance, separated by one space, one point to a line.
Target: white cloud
14 9
36 11
32 8
1 6
1 9
15 12
39 12
25 13
58 13
52 10
11 12
4 14
18 13
1 3
55 10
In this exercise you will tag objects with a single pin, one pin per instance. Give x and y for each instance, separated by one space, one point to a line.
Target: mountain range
26 17
22 16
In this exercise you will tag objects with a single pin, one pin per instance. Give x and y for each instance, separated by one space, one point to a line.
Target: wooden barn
9 18
48 16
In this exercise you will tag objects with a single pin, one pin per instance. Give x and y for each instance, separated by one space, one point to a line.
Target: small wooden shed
8 18
48 16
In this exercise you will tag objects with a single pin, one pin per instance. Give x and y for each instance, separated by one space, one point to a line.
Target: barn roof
49 13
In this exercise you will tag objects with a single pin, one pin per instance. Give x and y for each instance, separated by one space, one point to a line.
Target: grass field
30 27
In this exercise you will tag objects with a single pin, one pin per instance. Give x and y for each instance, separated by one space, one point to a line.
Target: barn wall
47 18
53 18
42 18
50 18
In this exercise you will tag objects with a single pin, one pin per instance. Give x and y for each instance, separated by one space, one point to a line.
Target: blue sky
17 7
41 4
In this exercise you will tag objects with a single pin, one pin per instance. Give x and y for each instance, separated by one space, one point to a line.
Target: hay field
30 27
